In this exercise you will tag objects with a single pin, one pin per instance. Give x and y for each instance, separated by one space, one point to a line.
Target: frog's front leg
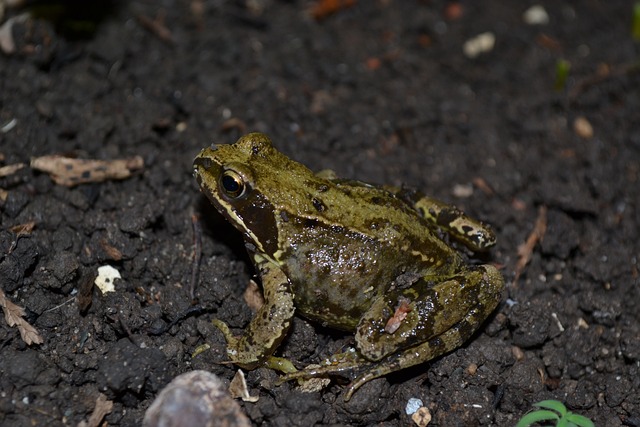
268 327
410 326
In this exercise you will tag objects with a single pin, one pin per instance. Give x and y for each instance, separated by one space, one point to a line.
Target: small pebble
422 417
472 369
517 352
413 405
583 128
536 15
481 43
463 190
106 276
197 398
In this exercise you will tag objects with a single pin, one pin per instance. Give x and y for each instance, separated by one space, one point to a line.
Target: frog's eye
232 184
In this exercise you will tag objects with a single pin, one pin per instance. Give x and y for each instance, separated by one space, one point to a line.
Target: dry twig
197 254
324 8
525 250
20 230
157 27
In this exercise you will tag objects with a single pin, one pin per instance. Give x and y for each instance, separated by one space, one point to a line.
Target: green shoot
552 410
562 73
635 23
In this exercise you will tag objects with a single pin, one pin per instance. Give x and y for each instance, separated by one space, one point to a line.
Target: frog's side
351 256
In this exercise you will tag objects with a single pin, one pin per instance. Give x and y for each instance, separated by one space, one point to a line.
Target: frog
381 262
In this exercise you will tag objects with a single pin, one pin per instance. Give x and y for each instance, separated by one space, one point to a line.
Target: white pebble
106 276
413 405
536 15
479 44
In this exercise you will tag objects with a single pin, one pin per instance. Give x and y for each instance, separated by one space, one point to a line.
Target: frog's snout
202 161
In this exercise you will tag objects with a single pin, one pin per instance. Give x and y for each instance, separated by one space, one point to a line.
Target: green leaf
552 404
580 420
537 416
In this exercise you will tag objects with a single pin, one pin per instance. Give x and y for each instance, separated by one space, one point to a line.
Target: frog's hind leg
439 318
410 326
472 233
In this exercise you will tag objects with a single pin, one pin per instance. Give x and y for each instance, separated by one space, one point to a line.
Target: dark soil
380 92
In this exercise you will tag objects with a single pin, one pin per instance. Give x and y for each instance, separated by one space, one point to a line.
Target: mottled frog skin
353 256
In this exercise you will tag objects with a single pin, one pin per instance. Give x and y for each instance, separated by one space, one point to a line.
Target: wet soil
380 92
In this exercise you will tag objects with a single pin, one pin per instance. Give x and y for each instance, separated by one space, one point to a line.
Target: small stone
481 43
197 398
106 276
422 417
536 15
582 127
413 405
472 369
463 191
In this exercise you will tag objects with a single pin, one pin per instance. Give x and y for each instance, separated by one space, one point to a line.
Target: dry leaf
7 43
312 385
85 292
238 388
422 417
252 296
324 8
483 186
234 123
103 408
71 172
13 314
111 251
11 169
157 26
23 229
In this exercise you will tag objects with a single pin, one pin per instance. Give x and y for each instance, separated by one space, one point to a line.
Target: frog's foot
349 364
280 364
470 232
268 328
338 364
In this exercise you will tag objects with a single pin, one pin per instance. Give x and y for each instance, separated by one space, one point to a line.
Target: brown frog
353 256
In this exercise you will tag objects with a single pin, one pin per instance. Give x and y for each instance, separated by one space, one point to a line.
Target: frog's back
349 252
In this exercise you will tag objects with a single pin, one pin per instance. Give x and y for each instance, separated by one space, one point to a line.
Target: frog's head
253 186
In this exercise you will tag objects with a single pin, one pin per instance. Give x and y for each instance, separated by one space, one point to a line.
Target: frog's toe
312 378
315 371
226 332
